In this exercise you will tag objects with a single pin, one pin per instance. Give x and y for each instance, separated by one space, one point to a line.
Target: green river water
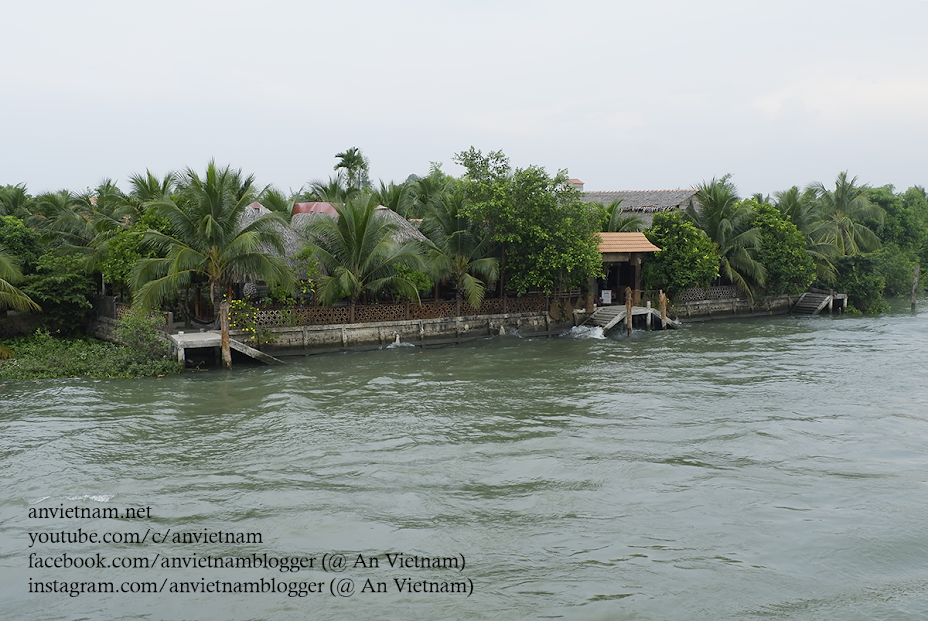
746 469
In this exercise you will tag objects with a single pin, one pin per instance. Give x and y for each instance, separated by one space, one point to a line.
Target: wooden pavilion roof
625 242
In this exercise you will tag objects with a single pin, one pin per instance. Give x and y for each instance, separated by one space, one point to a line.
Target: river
764 468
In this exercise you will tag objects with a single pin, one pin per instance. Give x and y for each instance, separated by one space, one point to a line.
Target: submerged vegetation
189 241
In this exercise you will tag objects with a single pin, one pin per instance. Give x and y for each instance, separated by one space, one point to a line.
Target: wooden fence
372 313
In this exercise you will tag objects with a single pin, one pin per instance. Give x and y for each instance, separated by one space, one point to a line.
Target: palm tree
841 213
802 209
727 222
148 187
14 200
462 249
617 222
360 255
207 239
355 166
334 191
10 296
398 198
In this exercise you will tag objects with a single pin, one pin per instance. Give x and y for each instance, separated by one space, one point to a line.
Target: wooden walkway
197 340
608 317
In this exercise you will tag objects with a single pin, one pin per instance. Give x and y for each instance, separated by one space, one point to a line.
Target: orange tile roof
625 242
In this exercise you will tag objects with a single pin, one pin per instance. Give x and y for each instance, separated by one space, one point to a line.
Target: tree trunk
224 328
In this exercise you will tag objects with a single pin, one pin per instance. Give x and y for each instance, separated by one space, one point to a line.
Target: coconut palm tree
727 222
335 190
14 200
619 223
206 238
398 198
10 296
841 213
359 253
462 250
802 209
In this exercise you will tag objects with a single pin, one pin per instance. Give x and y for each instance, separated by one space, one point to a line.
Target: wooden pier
200 340
608 317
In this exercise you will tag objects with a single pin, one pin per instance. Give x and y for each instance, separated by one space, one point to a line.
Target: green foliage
43 356
727 222
858 277
688 258
549 236
244 316
896 268
206 237
419 280
790 269
63 289
360 254
21 242
140 333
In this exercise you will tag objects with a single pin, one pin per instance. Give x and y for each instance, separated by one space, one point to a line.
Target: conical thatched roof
293 242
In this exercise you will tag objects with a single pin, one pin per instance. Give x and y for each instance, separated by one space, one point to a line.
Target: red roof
314 208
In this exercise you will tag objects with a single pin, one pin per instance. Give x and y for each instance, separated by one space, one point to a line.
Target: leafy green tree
790 269
360 255
20 242
903 227
858 276
727 222
61 285
206 239
549 236
688 258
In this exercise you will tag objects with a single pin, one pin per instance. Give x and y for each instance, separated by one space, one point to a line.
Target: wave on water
586 332
398 345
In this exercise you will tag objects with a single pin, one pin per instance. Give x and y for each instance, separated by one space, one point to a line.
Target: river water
765 468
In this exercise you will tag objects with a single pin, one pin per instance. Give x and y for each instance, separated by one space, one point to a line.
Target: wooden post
663 304
224 328
628 310
647 318
915 286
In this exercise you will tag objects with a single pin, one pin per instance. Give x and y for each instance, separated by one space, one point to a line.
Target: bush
858 277
43 356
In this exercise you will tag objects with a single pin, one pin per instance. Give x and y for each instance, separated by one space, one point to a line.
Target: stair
811 303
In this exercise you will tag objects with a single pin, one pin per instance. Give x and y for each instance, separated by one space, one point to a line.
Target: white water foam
584 332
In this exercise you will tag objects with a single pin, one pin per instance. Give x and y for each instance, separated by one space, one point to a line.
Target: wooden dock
608 317
199 340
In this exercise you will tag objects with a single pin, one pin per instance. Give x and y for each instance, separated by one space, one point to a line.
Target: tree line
852 238
497 228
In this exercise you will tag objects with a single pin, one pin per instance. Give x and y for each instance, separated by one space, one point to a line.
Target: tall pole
915 286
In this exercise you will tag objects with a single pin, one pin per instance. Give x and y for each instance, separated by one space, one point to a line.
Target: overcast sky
625 95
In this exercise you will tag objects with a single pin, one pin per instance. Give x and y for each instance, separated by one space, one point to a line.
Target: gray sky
625 95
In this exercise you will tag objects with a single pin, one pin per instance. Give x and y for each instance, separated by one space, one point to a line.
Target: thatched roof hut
303 214
293 242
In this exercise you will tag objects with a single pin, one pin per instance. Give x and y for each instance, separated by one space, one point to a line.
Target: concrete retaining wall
417 331
718 309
